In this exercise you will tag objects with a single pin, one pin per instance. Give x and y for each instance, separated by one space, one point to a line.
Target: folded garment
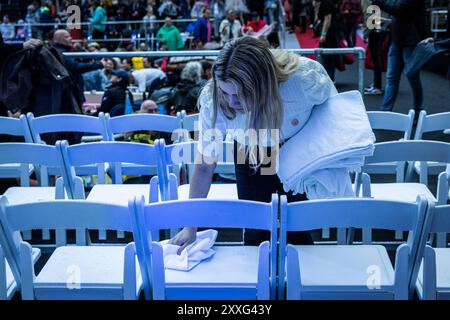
192 255
334 141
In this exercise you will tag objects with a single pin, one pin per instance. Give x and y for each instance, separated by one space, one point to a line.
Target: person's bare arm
325 27
199 187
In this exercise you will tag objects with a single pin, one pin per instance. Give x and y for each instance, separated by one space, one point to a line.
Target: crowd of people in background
173 84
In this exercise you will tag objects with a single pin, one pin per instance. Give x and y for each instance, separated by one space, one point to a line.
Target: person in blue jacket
203 29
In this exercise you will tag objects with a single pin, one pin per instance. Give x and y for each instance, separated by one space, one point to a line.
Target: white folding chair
141 122
349 271
392 121
57 123
433 281
17 128
233 272
39 155
71 272
427 124
412 150
110 152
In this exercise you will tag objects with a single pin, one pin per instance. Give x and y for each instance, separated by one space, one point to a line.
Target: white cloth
192 255
334 141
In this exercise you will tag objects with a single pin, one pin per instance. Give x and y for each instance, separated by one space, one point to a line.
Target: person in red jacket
254 25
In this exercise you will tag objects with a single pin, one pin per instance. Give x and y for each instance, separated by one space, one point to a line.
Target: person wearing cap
114 98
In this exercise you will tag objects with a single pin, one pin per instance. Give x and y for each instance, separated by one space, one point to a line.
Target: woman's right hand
184 238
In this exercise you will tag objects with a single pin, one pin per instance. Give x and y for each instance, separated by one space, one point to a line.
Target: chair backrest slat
29 153
68 214
142 122
184 152
430 123
15 127
340 213
412 150
208 213
392 121
108 151
65 123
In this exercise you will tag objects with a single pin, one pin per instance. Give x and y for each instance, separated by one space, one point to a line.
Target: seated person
188 89
148 106
115 96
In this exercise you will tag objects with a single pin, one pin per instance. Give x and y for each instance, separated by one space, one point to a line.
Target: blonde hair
256 72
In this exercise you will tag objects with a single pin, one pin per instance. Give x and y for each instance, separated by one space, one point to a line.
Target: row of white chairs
162 157
234 272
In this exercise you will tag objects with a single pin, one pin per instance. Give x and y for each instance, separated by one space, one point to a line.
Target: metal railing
140 30
359 52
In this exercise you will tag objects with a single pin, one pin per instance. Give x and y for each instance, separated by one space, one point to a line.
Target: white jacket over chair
334 141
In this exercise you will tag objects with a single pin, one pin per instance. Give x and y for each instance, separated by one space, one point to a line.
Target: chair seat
442 274
20 195
334 270
217 191
118 193
100 270
229 266
434 168
13 170
407 192
11 285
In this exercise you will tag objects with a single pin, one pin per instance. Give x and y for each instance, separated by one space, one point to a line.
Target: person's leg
414 82
394 70
354 29
375 47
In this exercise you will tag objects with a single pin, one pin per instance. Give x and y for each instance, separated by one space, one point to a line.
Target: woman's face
231 95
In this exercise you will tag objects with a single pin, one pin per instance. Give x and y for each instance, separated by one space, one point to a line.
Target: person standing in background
230 28
408 28
203 29
376 37
328 36
169 35
98 21
351 13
